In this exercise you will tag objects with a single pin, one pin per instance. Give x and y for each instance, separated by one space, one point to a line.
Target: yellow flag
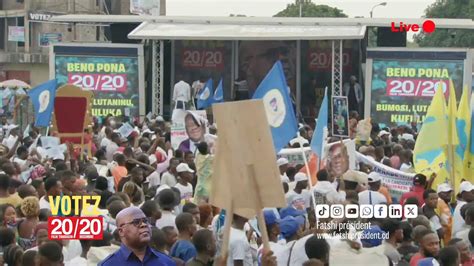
429 155
463 125
452 112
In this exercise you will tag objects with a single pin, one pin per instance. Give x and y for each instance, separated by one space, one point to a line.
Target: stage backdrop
114 72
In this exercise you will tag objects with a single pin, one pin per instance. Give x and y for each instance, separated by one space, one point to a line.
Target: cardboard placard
245 140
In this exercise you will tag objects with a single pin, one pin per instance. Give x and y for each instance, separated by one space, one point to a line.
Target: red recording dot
429 26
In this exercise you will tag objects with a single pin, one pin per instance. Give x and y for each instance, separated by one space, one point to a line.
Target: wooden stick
259 207
310 182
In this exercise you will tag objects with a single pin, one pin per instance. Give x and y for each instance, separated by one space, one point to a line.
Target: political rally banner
340 116
295 155
402 83
45 39
396 181
16 34
180 128
114 72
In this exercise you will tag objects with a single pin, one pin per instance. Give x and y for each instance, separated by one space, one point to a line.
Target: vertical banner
113 72
340 116
404 82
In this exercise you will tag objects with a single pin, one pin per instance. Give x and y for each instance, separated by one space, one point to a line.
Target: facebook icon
380 211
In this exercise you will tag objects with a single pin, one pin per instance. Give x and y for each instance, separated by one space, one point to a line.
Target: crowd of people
155 204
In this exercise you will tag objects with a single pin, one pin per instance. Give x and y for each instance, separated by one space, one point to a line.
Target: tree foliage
448 37
310 9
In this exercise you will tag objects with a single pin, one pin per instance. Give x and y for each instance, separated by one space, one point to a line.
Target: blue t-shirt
184 250
125 257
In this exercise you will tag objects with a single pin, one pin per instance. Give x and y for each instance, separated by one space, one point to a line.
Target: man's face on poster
338 161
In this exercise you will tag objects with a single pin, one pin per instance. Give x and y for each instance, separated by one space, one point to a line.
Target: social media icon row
366 211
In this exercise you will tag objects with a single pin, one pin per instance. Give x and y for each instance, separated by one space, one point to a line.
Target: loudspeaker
119 32
387 38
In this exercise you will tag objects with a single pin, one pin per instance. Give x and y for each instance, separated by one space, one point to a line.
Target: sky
267 8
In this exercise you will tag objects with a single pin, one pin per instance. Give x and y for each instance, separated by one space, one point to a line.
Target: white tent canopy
196 31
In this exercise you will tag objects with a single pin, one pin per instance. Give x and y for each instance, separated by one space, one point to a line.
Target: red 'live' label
79 228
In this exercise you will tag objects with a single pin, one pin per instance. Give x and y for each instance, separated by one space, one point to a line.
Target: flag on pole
219 93
42 98
470 150
320 133
452 112
429 154
276 99
463 126
204 98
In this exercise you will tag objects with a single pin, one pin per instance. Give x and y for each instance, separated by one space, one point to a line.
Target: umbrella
14 83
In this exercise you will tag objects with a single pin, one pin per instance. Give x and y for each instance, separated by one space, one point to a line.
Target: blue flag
219 93
42 98
276 99
204 98
321 130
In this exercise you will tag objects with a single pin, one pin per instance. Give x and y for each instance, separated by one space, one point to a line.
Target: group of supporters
155 202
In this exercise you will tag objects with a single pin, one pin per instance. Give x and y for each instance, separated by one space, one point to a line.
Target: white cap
282 161
444 187
183 167
465 186
374 177
160 119
383 133
407 136
301 177
148 131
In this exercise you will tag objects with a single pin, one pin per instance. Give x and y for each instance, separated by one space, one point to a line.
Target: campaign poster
396 181
113 72
402 89
340 116
45 39
16 34
180 129
339 157
256 58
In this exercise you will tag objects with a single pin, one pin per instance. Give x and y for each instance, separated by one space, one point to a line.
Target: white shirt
77 261
110 150
186 192
153 179
182 92
168 179
435 223
167 219
458 221
405 167
239 248
327 189
298 201
22 163
105 141
464 234
10 141
44 204
277 248
284 178
197 87
371 197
